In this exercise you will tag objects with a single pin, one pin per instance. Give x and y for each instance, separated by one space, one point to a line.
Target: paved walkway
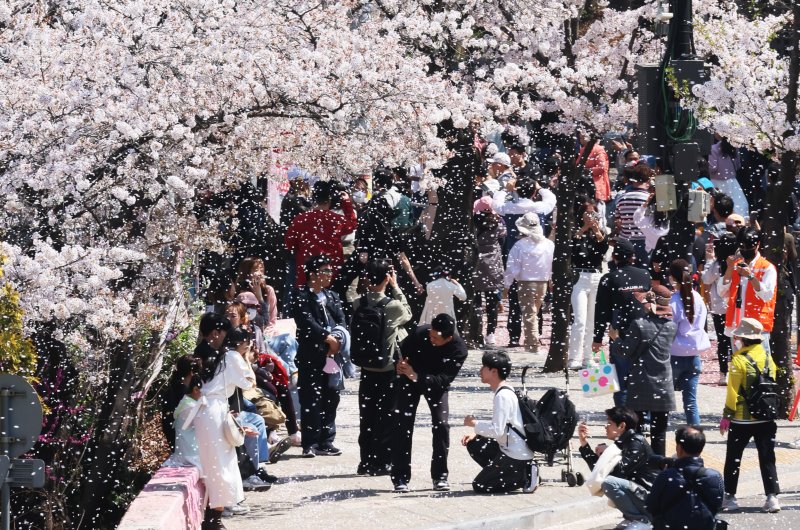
325 492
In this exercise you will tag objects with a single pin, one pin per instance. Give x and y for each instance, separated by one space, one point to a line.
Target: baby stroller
555 420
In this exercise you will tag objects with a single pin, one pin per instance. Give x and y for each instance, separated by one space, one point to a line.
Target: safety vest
752 305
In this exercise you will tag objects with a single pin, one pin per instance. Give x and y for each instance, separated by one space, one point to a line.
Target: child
186 452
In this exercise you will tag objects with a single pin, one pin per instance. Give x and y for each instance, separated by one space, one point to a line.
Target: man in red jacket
320 230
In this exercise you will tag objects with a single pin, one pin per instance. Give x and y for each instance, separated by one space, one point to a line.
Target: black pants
405 411
500 473
723 343
514 324
375 400
658 430
318 404
738 438
492 303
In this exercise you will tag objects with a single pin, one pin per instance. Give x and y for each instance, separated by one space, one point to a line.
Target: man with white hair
530 264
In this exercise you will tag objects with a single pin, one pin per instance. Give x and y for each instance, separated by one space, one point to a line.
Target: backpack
762 397
690 511
367 335
548 423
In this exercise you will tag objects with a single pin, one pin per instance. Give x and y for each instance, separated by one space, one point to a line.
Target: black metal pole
683 30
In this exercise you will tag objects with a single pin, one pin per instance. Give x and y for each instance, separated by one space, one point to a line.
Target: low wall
172 500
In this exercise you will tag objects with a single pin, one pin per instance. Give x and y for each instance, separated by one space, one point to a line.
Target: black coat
634 464
615 302
668 501
436 366
647 344
312 327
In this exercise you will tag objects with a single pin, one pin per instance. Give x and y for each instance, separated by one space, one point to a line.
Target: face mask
737 344
748 254
252 313
359 197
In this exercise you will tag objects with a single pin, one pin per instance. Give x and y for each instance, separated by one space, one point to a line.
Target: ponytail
679 271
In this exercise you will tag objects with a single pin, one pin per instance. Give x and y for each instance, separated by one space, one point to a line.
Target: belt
580 269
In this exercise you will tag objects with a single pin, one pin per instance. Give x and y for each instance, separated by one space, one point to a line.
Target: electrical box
699 206
666 197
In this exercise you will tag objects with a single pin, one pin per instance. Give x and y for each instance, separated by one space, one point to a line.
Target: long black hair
680 272
726 148
211 365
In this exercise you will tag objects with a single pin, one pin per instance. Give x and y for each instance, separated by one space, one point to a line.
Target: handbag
599 380
232 430
602 469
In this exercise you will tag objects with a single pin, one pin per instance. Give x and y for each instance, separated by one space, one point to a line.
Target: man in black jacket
617 307
431 359
316 312
632 478
686 494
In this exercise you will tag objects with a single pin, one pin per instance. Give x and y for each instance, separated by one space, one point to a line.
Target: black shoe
328 451
310 452
401 487
266 477
380 471
212 520
363 469
279 448
441 485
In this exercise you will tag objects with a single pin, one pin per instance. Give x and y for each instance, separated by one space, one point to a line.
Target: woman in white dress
441 291
221 376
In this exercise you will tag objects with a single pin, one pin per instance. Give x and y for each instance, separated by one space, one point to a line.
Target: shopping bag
599 379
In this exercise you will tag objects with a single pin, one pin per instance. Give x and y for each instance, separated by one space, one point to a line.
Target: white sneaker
723 380
489 340
729 504
771 505
575 364
531 486
253 483
795 444
237 509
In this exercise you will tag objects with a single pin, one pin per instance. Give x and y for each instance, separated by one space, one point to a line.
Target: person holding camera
686 494
750 284
320 230
717 252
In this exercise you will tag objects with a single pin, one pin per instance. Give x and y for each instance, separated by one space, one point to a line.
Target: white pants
581 332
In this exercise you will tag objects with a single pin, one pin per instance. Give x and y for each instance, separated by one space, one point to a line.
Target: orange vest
752 305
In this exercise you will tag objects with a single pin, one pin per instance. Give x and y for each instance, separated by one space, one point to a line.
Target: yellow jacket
741 376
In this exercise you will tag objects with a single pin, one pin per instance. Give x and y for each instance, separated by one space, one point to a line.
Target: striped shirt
627 204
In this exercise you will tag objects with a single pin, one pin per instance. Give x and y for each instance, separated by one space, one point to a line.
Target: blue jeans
623 367
256 447
628 497
686 374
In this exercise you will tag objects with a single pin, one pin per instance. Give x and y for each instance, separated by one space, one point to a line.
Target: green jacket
398 312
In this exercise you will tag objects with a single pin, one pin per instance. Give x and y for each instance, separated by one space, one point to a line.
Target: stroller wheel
579 479
572 480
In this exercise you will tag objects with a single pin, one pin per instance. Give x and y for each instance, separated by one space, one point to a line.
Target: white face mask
360 197
252 313
737 344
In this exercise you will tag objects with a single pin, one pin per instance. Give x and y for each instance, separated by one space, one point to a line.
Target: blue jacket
672 505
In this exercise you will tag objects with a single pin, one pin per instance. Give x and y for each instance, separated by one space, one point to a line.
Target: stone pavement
325 492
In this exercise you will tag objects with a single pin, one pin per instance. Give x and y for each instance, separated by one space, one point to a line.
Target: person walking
740 425
589 247
376 391
504 456
689 314
530 264
431 358
317 310
646 346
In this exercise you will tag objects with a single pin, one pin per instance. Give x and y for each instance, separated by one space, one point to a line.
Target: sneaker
310 452
266 477
639 525
272 437
401 487
795 444
532 481
237 509
490 340
363 469
275 451
575 364
296 440
514 344
723 380
441 485
328 451
253 483
729 504
771 505
380 471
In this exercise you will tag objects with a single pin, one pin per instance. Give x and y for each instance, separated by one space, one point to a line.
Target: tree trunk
562 262
773 224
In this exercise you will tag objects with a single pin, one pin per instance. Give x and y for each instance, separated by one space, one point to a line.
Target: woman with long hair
717 253
689 314
723 165
488 275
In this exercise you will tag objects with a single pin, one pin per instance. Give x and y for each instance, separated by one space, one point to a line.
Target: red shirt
598 163
320 232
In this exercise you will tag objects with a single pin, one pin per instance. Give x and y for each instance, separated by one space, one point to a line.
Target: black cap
623 249
444 324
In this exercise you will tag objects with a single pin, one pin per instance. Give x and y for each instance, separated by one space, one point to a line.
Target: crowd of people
360 293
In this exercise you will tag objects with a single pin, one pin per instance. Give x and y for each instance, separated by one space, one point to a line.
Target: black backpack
367 335
762 397
549 423
690 511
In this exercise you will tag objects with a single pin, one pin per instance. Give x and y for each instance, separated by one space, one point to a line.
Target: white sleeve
768 284
501 415
499 201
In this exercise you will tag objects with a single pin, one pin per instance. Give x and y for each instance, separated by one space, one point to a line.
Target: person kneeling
631 477
496 446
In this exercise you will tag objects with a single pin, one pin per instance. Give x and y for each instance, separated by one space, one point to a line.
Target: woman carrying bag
221 376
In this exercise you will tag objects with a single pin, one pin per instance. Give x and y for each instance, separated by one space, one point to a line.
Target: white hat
749 328
500 158
529 225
